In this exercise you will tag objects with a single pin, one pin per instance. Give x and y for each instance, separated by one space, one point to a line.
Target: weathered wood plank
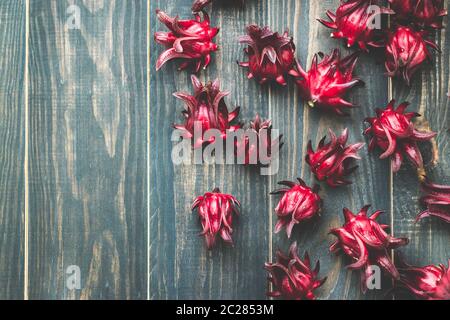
12 135
299 124
177 258
430 239
88 149
181 266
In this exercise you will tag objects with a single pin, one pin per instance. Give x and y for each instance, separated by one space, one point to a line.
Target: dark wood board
430 238
301 124
87 163
83 114
12 135
181 267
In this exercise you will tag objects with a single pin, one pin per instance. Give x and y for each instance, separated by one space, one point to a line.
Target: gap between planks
26 155
148 71
391 172
148 145
26 151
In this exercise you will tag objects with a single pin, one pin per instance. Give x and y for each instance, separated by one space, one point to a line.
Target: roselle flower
206 107
298 203
216 211
262 149
428 283
271 55
363 240
326 83
436 199
292 278
393 132
406 51
423 13
355 20
331 162
189 40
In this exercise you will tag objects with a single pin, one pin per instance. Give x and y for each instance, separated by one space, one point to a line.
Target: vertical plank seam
391 172
25 165
270 198
148 148
271 178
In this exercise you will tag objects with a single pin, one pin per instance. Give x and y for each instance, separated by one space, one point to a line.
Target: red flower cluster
271 55
360 22
216 211
208 108
393 132
406 48
354 21
189 40
406 51
272 59
428 283
326 83
298 203
292 277
331 161
364 240
422 13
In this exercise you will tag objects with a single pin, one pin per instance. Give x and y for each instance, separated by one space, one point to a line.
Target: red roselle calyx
327 82
216 212
364 240
393 132
189 40
271 55
428 283
406 51
423 13
262 149
355 20
436 199
298 203
331 161
206 109
293 278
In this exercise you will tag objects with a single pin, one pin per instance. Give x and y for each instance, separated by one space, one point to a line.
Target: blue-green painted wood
12 135
428 95
180 265
87 166
301 123
87 156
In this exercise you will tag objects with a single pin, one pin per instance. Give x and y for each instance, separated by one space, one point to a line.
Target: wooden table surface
87 179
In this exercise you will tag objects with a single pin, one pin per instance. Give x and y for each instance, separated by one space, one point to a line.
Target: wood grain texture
300 124
12 133
87 172
181 267
87 156
430 238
